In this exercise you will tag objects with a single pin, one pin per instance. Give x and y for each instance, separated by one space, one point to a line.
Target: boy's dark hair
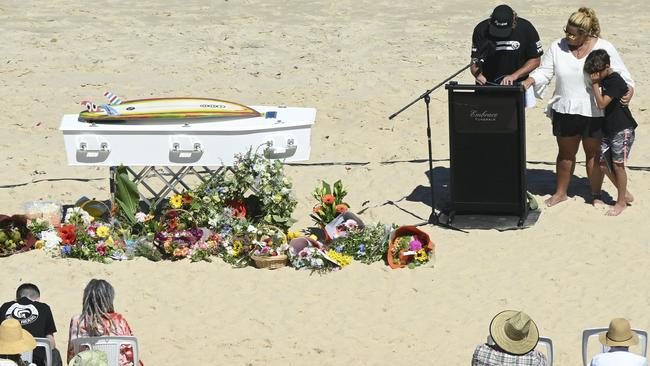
596 61
28 290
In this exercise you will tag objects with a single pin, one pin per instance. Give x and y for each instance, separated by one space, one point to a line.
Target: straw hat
619 334
514 332
14 339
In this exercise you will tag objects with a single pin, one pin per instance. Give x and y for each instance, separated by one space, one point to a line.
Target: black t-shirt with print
35 317
511 53
617 116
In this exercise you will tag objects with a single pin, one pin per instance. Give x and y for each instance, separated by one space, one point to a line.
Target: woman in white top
572 108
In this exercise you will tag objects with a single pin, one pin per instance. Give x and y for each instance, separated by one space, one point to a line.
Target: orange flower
187 199
341 208
317 209
328 199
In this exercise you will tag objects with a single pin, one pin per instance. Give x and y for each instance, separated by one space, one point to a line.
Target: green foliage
126 196
367 245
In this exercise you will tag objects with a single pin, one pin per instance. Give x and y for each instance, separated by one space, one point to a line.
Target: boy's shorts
619 144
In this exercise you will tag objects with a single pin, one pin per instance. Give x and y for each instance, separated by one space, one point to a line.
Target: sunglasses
572 36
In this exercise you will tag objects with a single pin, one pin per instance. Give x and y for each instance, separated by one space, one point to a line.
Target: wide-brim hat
14 339
619 334
501 21
514 332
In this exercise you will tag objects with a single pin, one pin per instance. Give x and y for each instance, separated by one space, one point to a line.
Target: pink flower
415 244
351 224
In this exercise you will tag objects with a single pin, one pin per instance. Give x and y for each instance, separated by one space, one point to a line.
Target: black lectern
487 150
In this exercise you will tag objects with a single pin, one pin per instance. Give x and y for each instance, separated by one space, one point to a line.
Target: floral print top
116 326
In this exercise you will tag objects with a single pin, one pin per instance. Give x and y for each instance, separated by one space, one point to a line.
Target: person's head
14 340
619 334
598 62
28 290
514 332
97 303
502 21
581 25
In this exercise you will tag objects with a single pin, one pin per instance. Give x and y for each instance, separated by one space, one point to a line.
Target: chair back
543 341
40 342
111 345
591 332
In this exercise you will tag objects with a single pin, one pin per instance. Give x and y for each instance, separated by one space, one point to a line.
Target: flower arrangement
409 247
329 204
14 234
269 242
367 245
254 188
309 254
97 241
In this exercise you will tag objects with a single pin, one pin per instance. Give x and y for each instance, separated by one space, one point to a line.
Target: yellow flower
421 255
103 231
40 244
237 247
340 258
109 242
313 236
176 201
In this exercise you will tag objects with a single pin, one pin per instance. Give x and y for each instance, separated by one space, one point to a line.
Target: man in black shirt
508 46
35 317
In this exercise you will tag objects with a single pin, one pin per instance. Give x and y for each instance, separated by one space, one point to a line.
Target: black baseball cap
501 21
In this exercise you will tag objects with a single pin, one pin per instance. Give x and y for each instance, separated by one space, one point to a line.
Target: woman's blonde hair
586 20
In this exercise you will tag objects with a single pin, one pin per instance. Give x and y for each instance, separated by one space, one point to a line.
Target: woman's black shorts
569 125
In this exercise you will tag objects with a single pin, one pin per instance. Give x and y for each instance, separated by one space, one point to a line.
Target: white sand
356 63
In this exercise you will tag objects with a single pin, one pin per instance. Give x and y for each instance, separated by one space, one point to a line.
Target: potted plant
329 204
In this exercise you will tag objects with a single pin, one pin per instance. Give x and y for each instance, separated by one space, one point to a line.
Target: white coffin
189 142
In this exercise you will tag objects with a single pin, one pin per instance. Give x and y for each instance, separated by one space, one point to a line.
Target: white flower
51 239
251 229
140 217
78 215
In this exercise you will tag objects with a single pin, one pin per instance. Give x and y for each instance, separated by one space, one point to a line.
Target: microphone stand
434 217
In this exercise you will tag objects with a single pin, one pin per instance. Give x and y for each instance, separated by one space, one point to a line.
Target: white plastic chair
588 333
40 342
544 341
110 345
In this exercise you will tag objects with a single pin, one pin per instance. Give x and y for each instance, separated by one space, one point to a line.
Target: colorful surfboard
163 108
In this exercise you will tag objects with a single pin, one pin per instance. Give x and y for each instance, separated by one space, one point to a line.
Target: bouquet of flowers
308 254
330 203
95 241
367 245
409 247
270 242
236 249
14 234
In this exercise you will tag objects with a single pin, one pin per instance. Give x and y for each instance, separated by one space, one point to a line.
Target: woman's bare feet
616 209
597 199
555 199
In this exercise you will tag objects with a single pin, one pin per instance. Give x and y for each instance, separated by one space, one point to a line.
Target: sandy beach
357 63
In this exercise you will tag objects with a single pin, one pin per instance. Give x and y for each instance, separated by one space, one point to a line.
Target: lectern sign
484 113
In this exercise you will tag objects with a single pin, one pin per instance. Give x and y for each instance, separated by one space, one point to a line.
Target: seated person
98 318
619 337
515 336
35 317
14 340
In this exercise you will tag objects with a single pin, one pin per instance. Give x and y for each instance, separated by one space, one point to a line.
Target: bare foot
616 210
597 201
555 199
